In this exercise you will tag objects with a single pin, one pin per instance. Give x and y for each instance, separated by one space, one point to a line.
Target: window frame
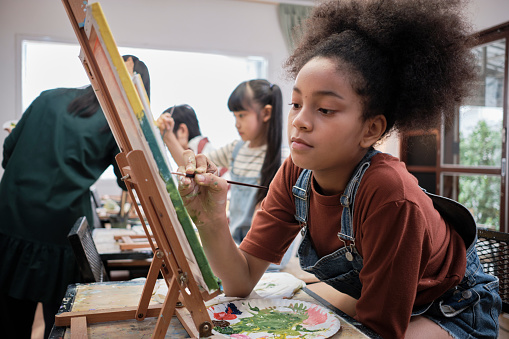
484 37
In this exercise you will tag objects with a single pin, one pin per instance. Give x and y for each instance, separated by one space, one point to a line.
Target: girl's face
252 126
325 124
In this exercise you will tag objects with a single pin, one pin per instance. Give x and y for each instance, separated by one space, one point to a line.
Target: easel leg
167 311
79 328
153 273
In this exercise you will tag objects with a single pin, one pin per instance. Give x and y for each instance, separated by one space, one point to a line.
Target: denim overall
242 200
469 310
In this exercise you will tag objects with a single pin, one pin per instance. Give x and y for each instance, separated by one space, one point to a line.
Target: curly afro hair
409 60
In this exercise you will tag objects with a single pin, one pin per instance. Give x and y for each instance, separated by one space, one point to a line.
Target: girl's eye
295 105
325 111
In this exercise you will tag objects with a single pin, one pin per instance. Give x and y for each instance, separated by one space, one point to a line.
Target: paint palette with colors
273 318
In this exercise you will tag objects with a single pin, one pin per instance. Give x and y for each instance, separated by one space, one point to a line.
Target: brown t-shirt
410 255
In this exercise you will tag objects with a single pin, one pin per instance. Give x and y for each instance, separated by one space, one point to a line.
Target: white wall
488 13
224 26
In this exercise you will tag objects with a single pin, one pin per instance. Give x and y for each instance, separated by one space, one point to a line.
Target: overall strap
237 148
300 192
348 198
235 151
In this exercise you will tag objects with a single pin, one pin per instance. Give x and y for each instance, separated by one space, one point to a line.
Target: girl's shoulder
228 148
242 148
388 179
60 91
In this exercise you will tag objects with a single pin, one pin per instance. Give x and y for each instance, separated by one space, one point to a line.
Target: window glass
475 192
475 138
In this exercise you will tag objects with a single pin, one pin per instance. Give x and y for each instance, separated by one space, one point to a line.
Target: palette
272 318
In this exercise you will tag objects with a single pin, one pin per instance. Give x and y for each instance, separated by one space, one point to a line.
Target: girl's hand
165 123
205 195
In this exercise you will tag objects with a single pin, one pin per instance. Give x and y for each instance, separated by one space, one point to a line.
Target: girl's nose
302 120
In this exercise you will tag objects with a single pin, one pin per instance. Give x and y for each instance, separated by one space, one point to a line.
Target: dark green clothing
51 159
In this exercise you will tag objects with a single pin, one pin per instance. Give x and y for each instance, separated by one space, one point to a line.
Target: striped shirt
248 162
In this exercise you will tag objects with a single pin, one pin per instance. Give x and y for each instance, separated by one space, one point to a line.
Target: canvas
136 131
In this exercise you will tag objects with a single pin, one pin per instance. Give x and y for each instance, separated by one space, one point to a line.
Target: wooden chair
493 250
88 258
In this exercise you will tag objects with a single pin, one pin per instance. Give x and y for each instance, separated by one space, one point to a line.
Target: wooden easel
141 175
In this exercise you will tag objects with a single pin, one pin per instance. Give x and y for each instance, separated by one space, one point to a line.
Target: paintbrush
228 181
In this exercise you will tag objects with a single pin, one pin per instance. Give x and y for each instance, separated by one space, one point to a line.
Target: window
470 164
201 80
473 162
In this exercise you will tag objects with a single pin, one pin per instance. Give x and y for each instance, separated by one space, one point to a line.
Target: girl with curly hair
405 258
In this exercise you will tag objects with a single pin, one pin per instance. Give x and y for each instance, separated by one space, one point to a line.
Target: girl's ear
183 135
266 113
374 128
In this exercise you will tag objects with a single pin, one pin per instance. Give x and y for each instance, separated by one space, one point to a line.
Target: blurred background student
59 148
257 107
183 122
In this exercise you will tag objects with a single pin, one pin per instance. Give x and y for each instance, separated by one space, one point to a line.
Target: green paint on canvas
165 173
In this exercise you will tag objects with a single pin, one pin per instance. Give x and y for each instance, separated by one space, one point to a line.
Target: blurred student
255 159
60 147
182 121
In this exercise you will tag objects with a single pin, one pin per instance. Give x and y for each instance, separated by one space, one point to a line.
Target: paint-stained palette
273 318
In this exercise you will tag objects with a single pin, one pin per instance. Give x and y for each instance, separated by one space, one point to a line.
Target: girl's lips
299 144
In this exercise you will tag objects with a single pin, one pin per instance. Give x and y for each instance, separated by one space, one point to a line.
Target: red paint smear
225 315
315 317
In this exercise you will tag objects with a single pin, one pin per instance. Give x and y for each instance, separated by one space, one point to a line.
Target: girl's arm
205 198
165 123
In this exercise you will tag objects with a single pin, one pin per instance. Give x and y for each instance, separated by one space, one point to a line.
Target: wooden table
134 263
109 248
81 297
